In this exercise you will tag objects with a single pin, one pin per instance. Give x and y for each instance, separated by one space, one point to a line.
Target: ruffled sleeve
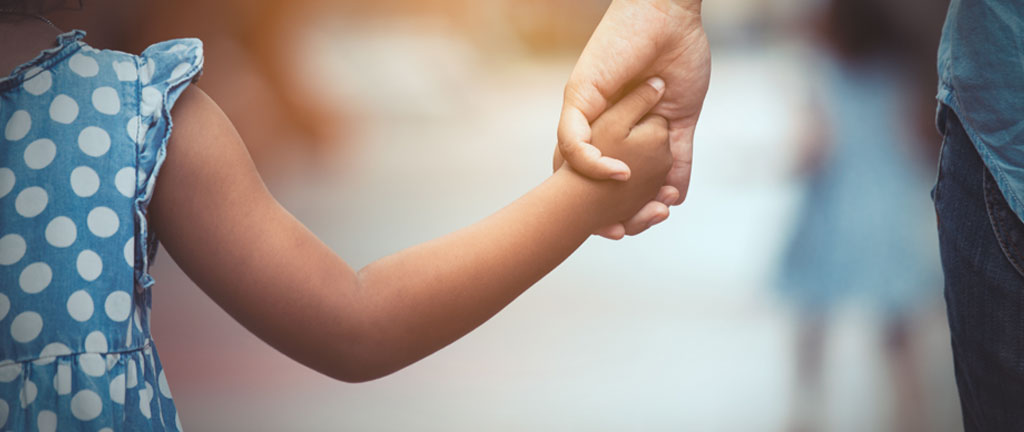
164 69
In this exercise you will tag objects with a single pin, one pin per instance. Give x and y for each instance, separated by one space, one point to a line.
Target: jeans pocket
1008 228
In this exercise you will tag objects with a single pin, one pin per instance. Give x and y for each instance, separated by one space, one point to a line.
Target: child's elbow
360 374
360 367
354 377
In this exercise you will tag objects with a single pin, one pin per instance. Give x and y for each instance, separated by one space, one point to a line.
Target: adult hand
637 40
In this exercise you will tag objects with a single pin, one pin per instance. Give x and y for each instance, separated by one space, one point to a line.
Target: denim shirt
981 78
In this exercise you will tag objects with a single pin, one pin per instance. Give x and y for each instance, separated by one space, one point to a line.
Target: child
85 136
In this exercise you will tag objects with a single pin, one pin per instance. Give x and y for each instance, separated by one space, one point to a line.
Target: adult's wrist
692 6
670 7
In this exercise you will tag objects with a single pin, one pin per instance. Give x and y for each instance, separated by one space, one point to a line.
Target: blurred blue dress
866 228
83 133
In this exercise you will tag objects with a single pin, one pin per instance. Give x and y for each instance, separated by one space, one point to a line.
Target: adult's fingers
573 137
651 214
638 102
667 195
612 232
681 143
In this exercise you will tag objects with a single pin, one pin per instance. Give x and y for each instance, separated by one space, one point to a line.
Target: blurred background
797 289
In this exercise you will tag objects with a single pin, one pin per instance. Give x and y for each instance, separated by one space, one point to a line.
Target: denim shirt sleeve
164 70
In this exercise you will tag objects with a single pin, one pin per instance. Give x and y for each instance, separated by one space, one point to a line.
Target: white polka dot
84 181
38 82
18 126
6 181
9 371
86 405
61 232
111 430
89 264
62 380
118 305
80 306
84 65
103 222
40 153
179 70
47 421
5 410
106 101
162 384
35 277
94 141
132 374
124 180
28 393
31 201
92 364
136 129
26 326
50 353
117 389
112 360
96 342
63 109
145 398
151 101
5 305
146 71
129 252
12 248
128 337
126 71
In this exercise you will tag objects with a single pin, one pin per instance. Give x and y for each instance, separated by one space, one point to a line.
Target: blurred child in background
866 227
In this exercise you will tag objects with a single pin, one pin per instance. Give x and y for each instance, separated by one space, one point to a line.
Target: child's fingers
651 214
637 103
573 134
651 124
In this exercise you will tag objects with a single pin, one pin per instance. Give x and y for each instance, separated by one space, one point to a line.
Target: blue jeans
982 247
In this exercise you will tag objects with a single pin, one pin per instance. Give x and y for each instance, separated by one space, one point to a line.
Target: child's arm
216 218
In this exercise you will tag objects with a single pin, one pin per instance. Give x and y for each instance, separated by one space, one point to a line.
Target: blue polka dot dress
83 133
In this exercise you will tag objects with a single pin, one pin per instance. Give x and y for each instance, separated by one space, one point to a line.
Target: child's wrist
592 200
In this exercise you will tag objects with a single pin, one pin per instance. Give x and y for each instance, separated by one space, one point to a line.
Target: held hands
635 40
628 133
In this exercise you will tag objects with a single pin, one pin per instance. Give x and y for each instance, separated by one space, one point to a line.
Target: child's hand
626 132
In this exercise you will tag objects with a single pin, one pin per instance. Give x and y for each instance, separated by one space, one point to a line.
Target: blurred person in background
865 228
